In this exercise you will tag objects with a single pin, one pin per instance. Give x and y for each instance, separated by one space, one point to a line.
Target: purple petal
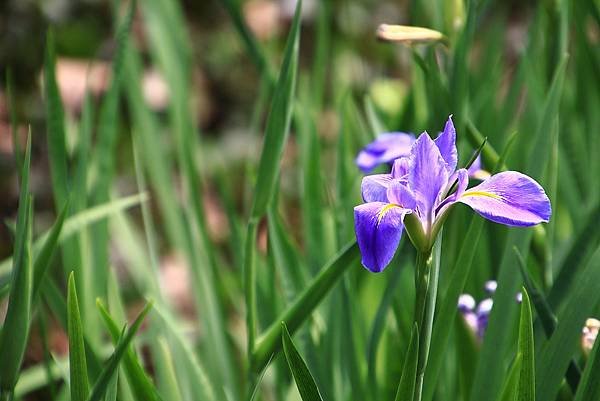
510 198
378 229
385 149
400 195
374 187
490 286
400 168
476 171
446 143
466 303
427 176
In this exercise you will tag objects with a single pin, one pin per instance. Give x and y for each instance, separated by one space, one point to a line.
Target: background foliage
200 175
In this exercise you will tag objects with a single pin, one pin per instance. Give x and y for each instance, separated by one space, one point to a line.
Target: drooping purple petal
427 176
374 187
446 143
510 198
399 194
385 149
378 229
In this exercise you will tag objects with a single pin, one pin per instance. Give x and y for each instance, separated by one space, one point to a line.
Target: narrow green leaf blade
77 362
44 256
141 385
406 387
304 380
278 123
589 388
101 385
526 387
15 331
553 359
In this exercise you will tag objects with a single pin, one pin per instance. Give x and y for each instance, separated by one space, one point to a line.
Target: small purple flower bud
483 313
490 286
589 334
471 320
466 303
519 297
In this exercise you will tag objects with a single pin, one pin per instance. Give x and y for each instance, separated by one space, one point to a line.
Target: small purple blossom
490 286
385 149
419 186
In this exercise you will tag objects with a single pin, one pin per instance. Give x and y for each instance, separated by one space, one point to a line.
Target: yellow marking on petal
381 214
482 193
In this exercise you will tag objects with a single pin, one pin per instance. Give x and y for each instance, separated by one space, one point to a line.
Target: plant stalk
426 283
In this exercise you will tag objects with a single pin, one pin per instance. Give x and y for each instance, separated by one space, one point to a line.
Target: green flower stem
249 282
426 282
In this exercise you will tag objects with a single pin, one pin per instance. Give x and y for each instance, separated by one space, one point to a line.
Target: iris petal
374 187
446 143
399 194
510 198
385 149
428 175
378 227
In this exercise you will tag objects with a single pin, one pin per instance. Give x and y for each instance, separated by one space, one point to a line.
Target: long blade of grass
448 309
101 385
406 387
15 331
526 386
276 132
554 357
77 363
44 256
496 343
141 385
589 389
296 313
74 224
304 380
547 318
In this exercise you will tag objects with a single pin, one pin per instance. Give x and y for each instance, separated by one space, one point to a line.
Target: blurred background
215 62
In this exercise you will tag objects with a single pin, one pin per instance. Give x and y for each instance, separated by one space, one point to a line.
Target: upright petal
446 143
400 168
374 187
385 149
427 176
399 194
462 181
378 229
510 198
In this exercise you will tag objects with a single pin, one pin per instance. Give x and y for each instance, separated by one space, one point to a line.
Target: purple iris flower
418 189
385 149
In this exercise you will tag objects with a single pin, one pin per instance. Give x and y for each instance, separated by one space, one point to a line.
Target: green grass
287 250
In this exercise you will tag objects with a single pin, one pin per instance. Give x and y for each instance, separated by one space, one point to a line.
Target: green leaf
526 387
589 388
511 384
44 256
79 221
77 363
304 380
102 383
445 317
553 359
496 343
301 309
278 122
406 387
15 331
547 318
140 383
